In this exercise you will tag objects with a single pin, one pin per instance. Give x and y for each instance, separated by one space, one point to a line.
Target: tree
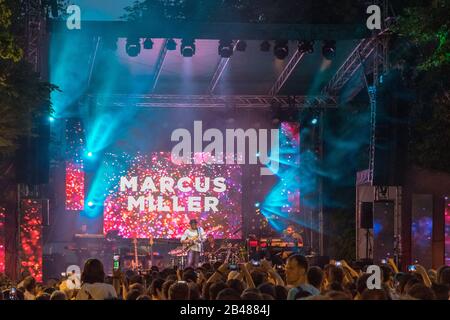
23 96
423 53
8 47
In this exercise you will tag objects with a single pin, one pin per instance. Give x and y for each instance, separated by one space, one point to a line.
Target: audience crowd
295 280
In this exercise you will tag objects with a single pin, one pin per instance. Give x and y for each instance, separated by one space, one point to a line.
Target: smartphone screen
255 263
383 261
411 268
12 294
232 267
116 262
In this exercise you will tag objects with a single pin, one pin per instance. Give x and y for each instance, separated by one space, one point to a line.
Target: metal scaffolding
286 73
208 101
35 28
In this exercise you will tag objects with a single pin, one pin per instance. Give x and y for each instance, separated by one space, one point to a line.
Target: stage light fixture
225 48
241 46
265 46
187 48
329 49
257 204
314 121
281 49
89 154
171 45
90 204
51 119
306 46
133 47
148 44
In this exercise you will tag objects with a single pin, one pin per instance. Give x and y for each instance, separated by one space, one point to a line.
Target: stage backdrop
150 196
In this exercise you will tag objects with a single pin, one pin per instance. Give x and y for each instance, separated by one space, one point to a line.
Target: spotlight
90 204
306 46
257 204
171 45
225 48
133 47
89 154
314 121
241 46
329 49
148 44
281 49
265 46
51 119
187 48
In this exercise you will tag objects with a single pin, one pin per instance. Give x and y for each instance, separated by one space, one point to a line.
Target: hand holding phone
13 294
116 262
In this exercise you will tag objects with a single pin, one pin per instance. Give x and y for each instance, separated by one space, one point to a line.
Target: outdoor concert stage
141 145
235 171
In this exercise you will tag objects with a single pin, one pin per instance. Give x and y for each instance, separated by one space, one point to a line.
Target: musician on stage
192 239
290 234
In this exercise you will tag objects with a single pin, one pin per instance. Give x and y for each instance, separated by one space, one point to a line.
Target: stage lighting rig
225 48
241 46
148 44
265 46
281 49
133 47
171 45
306 46
187 48
329 49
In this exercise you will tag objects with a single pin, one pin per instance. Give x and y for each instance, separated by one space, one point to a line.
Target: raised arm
423 272
267 267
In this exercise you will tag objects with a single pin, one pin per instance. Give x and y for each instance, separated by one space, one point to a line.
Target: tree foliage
23 95
244 11
8 46
422 50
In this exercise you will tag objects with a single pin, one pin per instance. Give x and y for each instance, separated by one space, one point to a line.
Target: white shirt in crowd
190 234
96 291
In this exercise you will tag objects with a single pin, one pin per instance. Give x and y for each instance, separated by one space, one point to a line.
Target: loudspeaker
32 156
366 217
391 131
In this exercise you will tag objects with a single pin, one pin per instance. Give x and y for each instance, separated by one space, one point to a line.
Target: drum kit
235 251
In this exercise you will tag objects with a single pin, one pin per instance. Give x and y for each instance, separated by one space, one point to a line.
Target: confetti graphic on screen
31 237
193 187
2 239
74 185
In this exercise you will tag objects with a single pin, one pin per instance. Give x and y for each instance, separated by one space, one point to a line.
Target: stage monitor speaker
383 229
366 215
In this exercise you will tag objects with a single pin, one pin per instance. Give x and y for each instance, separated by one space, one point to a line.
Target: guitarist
192 240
